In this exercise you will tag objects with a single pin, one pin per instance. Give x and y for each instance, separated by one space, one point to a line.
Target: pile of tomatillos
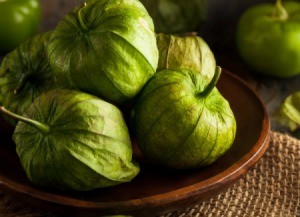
63 90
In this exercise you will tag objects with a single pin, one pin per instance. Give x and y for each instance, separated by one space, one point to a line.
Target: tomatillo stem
280 12
213 82
82 24
43 128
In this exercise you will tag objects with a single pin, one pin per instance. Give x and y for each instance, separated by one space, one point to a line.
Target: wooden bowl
155 190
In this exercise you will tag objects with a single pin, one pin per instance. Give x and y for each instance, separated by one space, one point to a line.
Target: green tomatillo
106 48
19 20
187 51
71 140
268 38
25 73
176 16
180 122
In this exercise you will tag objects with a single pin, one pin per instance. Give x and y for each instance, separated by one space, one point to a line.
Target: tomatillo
176 16
19 20
268 38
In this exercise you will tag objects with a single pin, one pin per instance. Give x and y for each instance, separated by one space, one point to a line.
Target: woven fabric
270 188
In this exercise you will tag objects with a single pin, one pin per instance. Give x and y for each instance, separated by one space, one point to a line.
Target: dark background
221 21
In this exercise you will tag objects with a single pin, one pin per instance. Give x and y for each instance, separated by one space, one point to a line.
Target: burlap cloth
271 188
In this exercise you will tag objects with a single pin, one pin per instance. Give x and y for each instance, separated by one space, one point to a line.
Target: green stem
43 128
280 12
22 83
82 24
213 82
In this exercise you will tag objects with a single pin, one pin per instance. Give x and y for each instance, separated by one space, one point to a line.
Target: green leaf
288 114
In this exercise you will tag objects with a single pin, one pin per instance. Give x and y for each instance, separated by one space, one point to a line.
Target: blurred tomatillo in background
19 20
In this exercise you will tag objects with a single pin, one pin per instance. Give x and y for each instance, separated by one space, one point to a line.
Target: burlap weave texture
271 188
